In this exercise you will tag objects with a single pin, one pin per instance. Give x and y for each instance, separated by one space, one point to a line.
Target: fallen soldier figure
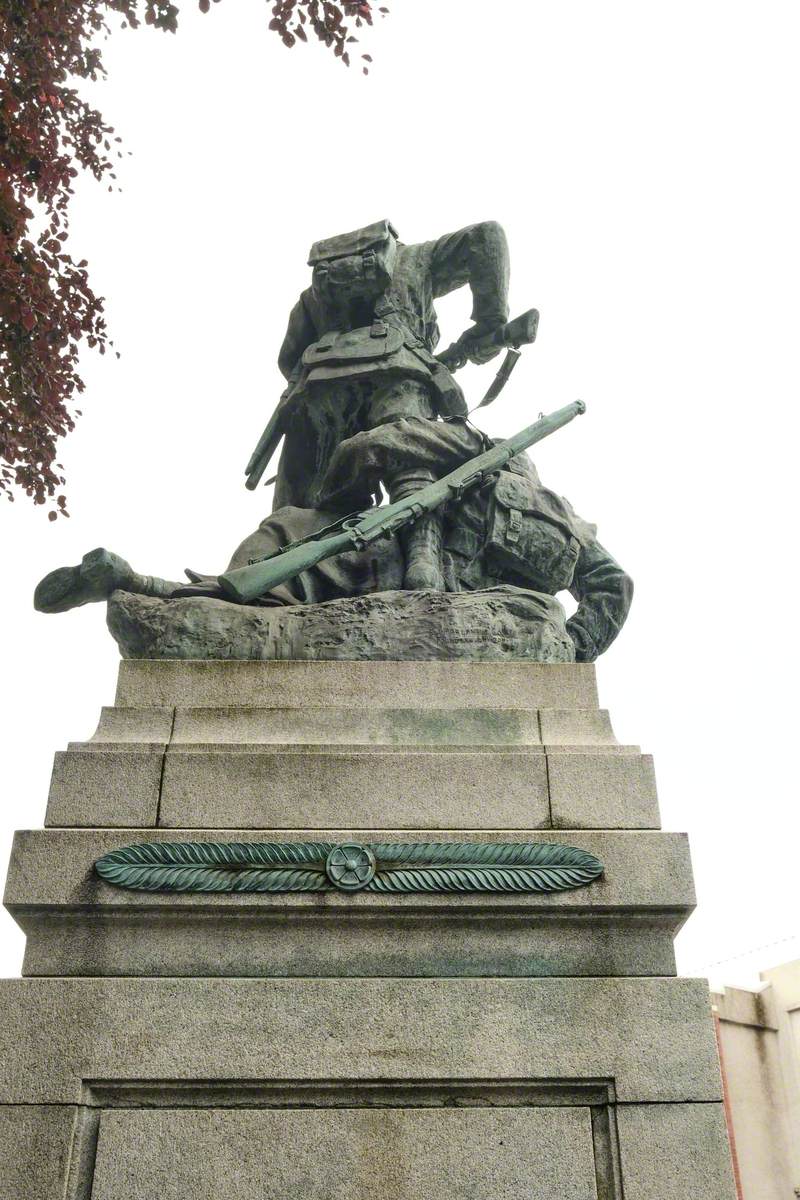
510 531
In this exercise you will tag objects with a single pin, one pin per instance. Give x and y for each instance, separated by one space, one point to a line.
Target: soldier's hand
475 344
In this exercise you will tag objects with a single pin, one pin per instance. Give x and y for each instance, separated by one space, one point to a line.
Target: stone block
355 726
345 1154
602 791
337 1044
272 942
91 787
495 625
35 1145
296 684
151 727
647 871
622 924
242 787
577 727
652 1037
675 1152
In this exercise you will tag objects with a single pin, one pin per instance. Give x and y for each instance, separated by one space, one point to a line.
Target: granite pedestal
345 1046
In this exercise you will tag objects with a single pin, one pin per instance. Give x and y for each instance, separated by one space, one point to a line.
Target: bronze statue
358 353
369 407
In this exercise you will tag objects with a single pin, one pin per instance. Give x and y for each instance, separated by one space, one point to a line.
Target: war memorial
353 893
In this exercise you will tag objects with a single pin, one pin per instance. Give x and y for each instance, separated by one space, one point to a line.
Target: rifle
519 332
267 443
355 532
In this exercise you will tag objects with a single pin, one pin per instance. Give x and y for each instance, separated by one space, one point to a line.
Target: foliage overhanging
48 133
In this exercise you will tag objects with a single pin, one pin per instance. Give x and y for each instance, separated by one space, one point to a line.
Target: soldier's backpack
355 266
531 535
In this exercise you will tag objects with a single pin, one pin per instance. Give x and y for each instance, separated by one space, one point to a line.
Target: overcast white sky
643 160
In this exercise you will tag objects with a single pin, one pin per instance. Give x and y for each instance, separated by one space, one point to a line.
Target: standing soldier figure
358 353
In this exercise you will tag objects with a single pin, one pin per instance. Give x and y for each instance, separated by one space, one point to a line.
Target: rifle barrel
244 584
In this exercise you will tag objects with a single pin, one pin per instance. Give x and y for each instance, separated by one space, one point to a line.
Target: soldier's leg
327 415
96 576
422 541
362 461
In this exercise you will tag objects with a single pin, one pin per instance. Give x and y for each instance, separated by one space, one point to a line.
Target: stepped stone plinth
334 1043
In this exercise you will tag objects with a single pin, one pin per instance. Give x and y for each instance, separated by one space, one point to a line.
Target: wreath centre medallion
350 866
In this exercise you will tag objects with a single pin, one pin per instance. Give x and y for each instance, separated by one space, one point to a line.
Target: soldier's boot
98 574
422 541
422 546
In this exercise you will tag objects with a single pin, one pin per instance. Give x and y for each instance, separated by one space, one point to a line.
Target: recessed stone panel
345 1154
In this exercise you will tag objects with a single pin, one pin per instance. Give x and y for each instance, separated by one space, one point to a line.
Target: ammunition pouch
524 541
372 343
448 397
376 350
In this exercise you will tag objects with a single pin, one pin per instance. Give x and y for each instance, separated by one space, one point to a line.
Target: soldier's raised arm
478 256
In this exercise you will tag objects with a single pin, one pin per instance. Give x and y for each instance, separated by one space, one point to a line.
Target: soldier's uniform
358 353
511 533
514 531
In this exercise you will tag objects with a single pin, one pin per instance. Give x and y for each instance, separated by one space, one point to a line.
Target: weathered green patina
361 530
370 411
349 867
